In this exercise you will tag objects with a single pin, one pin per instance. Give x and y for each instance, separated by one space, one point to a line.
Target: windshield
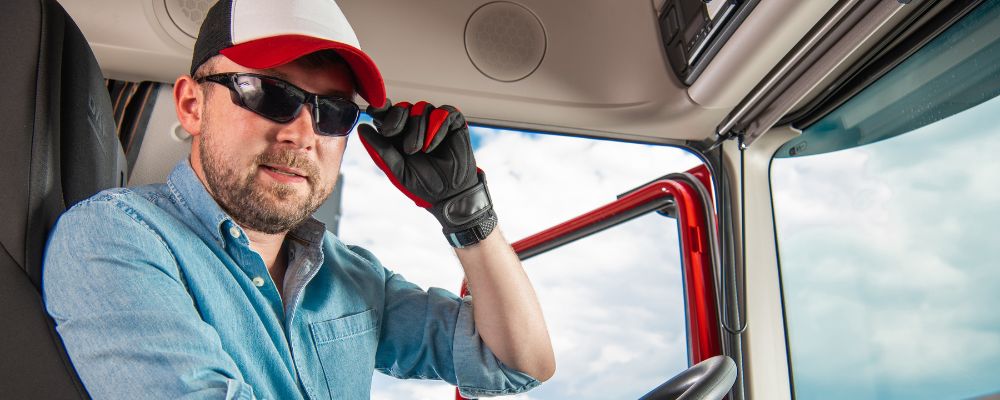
953 72
888 247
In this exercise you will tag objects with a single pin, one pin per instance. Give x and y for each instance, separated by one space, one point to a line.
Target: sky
612 301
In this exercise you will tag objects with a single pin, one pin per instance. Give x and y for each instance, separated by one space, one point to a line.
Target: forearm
505 308
442 177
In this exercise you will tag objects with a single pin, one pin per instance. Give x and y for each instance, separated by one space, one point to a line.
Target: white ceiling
603 72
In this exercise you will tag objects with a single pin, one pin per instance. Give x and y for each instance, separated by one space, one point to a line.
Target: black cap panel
215 33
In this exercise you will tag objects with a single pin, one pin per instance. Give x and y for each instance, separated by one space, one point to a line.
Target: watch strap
474 234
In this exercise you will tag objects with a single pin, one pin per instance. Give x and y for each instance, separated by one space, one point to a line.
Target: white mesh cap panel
256 19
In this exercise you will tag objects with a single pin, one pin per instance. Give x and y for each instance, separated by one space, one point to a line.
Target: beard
268 207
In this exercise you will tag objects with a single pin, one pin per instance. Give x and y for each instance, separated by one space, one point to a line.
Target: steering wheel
710 379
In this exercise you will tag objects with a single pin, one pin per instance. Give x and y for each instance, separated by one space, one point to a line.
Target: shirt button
234 232
258 281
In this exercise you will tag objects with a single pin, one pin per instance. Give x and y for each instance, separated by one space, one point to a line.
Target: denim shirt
157 294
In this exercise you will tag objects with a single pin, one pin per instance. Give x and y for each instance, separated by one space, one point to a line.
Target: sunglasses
280 101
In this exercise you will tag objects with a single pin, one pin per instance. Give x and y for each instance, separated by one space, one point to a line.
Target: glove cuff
474 234
466 210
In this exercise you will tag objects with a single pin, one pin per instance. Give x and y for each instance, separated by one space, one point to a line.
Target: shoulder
362 253
109 206
103 234
101 207
350 255
112 217
122 197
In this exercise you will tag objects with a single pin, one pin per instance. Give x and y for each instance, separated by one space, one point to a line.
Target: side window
613 301
889 251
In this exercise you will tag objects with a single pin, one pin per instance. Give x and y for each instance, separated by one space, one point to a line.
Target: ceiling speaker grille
187 15
505 41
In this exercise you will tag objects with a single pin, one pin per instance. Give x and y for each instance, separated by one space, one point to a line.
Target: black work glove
427 154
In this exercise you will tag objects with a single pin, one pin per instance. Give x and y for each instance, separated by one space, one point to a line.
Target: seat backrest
58 147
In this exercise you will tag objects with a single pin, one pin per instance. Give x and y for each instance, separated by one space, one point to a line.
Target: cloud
613 302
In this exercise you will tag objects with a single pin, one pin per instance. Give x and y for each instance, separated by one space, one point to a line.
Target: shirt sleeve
431 335
124 315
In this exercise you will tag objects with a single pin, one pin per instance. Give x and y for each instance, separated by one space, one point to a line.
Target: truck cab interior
745 86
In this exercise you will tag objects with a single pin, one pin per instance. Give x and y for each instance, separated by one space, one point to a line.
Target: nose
299 131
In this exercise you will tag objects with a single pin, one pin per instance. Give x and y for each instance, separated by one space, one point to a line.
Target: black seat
58 147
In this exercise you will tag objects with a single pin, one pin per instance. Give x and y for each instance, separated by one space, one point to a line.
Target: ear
189 104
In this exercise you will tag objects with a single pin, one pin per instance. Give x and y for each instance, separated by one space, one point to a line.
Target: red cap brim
279 50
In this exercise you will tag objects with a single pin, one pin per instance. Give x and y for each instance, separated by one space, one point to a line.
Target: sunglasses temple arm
316 109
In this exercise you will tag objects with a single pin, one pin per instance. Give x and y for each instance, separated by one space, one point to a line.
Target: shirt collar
310 232
188 190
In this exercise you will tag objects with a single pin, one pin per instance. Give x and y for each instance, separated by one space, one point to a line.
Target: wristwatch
475 234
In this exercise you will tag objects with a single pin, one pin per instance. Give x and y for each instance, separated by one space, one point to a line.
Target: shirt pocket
346 349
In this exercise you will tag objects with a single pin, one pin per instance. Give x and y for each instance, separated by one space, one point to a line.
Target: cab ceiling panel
591 67
602 70
140 39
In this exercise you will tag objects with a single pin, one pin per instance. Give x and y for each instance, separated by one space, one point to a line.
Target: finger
395 120
457 146
442 122
382 151
416 127
379 112
390 120
389 160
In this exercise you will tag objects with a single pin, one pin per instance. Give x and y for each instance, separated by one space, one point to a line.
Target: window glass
889 250
613 301
957 70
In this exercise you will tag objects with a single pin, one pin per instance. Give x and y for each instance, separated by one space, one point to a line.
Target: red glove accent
434 124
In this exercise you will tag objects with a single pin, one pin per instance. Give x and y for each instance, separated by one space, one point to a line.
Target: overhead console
693 31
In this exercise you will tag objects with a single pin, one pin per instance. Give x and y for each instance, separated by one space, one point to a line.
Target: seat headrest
59 144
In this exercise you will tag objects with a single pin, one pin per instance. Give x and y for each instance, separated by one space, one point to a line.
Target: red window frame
696 228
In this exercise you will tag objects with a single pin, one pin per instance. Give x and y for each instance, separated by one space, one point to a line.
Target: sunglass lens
336 116
269 98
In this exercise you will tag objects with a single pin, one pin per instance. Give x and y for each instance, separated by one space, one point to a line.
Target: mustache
291 159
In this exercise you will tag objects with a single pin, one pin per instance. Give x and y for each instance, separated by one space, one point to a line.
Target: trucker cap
264 34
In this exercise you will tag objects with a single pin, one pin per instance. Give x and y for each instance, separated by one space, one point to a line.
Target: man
219 284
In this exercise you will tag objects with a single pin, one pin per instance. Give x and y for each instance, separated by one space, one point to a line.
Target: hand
427 154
